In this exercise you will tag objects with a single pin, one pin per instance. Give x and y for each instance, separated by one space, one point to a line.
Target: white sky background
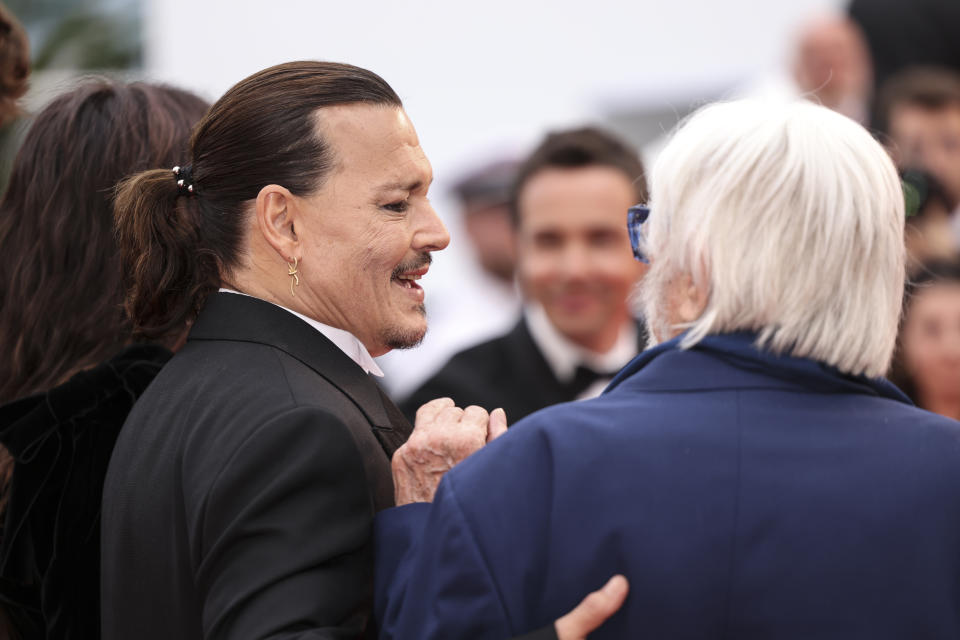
486 77
483 76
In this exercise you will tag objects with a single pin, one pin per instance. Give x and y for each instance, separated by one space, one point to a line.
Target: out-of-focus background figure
927 363
69 373
576 272
918 119
929 232
61 304
67 38
485 197
14 74
832 66
919 116
901 34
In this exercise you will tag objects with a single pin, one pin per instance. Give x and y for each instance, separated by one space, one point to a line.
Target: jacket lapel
229 316
400 428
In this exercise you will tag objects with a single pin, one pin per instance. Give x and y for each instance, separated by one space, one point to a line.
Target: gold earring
292 272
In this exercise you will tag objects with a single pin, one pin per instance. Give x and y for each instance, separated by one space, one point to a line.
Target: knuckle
433 405
452 412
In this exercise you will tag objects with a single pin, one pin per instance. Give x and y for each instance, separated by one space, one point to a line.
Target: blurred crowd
550 294
549 317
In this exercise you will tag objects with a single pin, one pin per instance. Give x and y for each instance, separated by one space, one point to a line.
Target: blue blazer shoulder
742 494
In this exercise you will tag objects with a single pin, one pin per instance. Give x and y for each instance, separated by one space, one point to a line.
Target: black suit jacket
240 496
508 372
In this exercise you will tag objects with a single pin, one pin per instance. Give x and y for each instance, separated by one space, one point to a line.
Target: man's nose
575 261
431 234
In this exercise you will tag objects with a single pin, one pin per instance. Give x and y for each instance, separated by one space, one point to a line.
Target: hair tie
184 176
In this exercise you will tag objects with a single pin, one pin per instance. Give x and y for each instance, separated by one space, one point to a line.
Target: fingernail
615 585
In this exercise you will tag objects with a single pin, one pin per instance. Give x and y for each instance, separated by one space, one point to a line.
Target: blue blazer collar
738 350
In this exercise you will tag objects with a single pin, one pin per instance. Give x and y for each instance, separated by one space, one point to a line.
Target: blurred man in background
919 111
832 66
918 116
485 196
575 269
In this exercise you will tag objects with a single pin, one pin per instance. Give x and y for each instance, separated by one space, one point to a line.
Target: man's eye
605 238
397 207
548 241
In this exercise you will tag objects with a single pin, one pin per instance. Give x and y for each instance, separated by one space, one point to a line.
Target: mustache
420 261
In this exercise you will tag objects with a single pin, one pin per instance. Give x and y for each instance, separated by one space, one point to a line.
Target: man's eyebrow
416 185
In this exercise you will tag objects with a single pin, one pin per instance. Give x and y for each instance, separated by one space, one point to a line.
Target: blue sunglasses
636 216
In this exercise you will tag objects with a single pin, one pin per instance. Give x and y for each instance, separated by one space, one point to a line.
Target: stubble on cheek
397 337
375 265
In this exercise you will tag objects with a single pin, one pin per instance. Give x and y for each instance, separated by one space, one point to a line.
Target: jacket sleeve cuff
395 534
546 633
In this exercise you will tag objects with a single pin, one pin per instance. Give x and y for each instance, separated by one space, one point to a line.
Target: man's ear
277 220
693 299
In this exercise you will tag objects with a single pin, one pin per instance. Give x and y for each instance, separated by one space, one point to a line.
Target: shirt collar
563 356
344 340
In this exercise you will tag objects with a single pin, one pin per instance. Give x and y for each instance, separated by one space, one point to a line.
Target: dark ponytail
177 246
158 231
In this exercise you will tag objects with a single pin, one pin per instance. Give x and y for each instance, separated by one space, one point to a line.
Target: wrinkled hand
593 611
443 435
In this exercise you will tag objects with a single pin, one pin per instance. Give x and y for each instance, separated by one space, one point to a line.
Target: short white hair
791 217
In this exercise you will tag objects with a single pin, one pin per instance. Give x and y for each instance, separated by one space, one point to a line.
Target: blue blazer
743 495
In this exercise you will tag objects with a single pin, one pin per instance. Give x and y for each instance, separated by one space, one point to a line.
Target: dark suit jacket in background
508 372
240 497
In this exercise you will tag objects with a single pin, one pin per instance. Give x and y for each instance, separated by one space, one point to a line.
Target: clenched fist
443 435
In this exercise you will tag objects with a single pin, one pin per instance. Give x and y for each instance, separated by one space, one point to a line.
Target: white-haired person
752 475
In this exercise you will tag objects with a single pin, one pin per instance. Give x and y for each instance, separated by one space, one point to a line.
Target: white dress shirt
345 341
564 356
